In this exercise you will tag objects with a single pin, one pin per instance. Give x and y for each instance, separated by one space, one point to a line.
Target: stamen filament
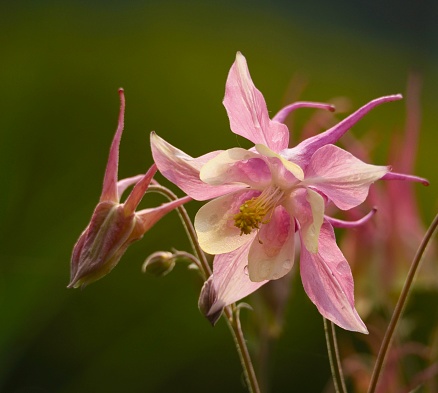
253 211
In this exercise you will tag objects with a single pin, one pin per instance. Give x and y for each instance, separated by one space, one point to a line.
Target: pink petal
183 170
302 152
109 190
271 255
328 282
215 227
247 109
283 113
342 177
230 281
237 166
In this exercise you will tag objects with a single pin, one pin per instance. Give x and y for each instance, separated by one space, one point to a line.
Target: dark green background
61 64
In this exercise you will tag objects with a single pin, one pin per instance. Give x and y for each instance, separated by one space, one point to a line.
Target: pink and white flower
266 194
114 225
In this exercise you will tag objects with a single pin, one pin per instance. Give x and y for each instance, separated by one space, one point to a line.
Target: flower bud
207 299
115 225
103 243
159 263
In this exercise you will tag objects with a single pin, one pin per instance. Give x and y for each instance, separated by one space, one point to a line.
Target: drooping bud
207 298
159 263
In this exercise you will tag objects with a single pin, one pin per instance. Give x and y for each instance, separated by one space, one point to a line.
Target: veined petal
271 255
247 109
307 206
342 177
109 190
183 170
230 281
237 165
215 226
302 152
328 282
290 166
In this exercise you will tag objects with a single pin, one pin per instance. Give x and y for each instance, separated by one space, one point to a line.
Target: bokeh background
61 65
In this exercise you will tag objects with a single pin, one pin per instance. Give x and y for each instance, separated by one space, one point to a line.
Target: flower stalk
389 334
231 312
188 227
334 357
233 320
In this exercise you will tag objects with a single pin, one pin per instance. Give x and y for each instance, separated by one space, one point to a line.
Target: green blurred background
61 65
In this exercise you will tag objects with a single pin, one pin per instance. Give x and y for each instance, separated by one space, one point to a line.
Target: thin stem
189 257
334 358
233 320
188 226
231 312
387 339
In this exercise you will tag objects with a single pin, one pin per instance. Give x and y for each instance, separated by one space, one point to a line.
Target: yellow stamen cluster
253 211
249 218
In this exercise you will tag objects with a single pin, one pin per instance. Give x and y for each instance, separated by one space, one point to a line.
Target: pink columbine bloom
114 225
266 194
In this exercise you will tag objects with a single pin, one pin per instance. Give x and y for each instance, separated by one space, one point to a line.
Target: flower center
253 211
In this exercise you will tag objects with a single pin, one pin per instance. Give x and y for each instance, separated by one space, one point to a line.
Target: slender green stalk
233 321
389 334
334 358
231 312
188 226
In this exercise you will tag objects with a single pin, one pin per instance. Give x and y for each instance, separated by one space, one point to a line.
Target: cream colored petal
307 206
214 224
311 231
222 169
290 166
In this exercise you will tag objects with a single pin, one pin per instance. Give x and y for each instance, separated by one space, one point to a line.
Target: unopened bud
103 243
159 263
207 298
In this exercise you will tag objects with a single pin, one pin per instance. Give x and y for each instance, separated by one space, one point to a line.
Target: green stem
334 358
188 226
389 334
233 321
231 312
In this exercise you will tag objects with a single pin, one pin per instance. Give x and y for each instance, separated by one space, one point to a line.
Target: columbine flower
268 193
114 225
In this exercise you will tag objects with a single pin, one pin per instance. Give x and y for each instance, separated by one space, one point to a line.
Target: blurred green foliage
61 65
